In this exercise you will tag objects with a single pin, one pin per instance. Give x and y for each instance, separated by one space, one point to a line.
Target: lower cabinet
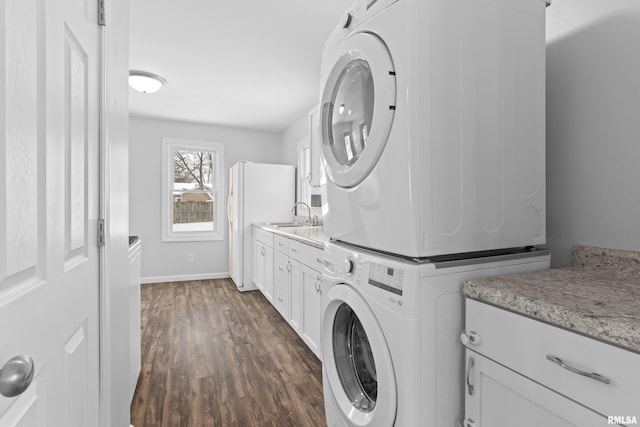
281 283
288 274
135 344
527 373
295 286
496 396
310 300
263 267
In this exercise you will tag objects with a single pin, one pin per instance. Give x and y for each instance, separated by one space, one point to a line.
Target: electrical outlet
190 257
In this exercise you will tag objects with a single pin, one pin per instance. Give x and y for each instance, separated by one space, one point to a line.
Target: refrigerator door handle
229 199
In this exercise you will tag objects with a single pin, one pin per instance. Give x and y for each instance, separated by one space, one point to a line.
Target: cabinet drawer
536 350
281 244
294 249
311 256
280 267
498 397
281 299
263 236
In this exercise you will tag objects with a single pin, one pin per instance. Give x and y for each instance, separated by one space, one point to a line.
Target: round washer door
357 361
357 108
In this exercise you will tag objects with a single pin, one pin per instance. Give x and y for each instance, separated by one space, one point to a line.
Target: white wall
292 136
165 261
593 125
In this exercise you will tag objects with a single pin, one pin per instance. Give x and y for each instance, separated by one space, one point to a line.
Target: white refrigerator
258 192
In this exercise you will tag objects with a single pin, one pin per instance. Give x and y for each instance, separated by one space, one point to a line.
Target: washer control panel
387 278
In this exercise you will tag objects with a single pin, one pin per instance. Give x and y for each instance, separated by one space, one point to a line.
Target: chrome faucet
309 221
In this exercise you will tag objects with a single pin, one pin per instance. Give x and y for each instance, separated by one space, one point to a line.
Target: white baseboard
183 278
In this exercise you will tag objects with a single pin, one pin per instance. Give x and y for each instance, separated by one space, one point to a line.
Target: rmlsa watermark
622 419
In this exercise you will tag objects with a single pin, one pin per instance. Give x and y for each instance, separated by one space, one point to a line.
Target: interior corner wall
593 127
167 261
292 136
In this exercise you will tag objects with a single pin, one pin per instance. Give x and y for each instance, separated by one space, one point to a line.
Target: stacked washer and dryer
433 144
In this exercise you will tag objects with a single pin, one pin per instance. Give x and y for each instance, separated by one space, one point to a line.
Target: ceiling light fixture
145 82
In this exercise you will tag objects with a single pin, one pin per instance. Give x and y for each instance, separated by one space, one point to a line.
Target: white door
357 108
49 190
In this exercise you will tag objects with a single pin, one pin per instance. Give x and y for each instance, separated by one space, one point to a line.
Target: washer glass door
354 359
357 364
358 105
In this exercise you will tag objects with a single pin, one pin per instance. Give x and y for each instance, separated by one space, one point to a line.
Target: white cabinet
281 282
288 273
310 300
518 367
295 318
135 344
263 262
499 397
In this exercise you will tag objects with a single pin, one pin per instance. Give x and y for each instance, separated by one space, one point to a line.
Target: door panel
49 277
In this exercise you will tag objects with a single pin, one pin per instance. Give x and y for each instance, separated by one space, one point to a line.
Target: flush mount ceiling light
145 82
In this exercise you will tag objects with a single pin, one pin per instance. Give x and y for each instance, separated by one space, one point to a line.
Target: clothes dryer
432 120
390 327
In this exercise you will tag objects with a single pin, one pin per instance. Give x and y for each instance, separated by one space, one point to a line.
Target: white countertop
311 235
598 296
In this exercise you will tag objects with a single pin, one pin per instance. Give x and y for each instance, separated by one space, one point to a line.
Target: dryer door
357 109
357 361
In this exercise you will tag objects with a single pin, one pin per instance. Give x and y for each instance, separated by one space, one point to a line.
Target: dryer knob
346 21
349 266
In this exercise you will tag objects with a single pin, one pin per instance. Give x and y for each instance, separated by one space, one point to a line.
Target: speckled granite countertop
599 296
313 236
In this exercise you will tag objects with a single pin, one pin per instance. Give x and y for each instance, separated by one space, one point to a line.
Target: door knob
16 375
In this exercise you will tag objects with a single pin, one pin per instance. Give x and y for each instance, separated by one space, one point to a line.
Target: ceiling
252 64
255 64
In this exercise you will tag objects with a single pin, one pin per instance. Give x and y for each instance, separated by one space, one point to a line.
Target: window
304 173
191 190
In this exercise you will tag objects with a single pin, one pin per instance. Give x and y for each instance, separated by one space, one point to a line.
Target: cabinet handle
280 268
294 250
288 266
262 250
472 338
319 260
469 423
570 368
318 285
469 366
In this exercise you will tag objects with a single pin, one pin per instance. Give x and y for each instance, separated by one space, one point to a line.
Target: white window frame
169 145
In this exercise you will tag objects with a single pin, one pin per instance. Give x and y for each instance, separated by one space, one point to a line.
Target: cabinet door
499 397
259 265
311 300
263 268
268 275
295 296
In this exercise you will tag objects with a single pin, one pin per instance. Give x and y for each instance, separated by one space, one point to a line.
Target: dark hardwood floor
212 356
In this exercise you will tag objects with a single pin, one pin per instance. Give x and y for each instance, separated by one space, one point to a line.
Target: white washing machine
390 348
432 121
